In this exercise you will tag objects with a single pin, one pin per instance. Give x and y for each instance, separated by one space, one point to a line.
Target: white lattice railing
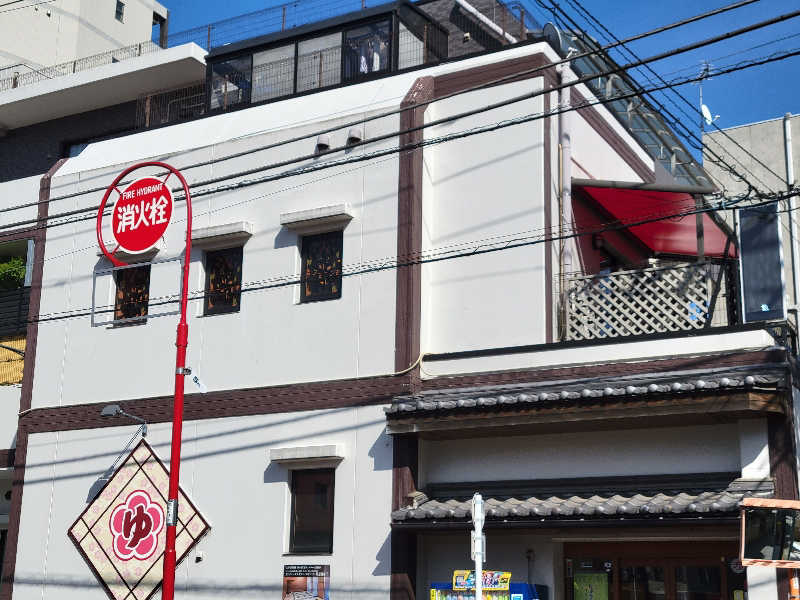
645 301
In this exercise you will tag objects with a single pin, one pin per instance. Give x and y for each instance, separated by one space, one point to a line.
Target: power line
461 115
624 46
423 103
743 51
414 145
691 134
420 258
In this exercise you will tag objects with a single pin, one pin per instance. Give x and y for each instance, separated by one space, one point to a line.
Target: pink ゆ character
135 525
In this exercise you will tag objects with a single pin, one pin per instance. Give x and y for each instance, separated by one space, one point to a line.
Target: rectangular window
312 511
319 62
119 13
367 50
133 292
321 276
273 73
223 281
230 82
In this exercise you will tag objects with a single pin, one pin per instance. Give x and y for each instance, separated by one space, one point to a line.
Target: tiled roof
583 504
596 388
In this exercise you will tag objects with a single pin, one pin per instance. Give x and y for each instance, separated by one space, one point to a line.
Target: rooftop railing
20 75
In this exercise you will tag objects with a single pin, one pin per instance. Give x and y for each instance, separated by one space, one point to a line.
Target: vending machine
497 585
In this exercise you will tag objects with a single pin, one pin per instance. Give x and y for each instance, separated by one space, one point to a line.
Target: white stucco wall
485 189
273 339
9 407
697 449
226 472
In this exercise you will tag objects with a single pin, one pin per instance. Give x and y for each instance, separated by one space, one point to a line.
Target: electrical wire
415 145
624 46
451 118
423 259
421 104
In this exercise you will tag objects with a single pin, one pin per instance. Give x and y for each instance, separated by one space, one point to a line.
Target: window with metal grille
133 293
223 291
312 511
321 276
119 13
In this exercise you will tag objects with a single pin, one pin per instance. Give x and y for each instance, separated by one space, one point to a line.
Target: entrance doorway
653 571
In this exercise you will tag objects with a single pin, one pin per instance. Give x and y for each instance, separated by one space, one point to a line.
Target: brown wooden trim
409 232
666 550
7 458
610 369
548 223
611 137
466 78
405 468
635 412
230 403
782 457
39 238
403 578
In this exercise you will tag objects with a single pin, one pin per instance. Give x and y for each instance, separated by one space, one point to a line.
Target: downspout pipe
485 20
564 186
787 145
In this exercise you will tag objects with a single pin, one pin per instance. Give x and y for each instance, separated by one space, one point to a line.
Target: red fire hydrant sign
141 215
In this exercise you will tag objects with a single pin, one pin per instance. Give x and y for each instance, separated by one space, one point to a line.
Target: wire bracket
183 371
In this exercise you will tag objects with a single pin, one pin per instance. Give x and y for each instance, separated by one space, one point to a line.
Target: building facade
37 34
411 280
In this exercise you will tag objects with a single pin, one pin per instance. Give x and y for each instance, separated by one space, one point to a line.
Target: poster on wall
590 586
306 582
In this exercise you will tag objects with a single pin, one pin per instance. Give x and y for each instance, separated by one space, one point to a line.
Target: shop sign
306 582
141 215
492 580
122 535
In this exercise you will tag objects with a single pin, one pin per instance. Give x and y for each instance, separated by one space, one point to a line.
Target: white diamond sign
122 535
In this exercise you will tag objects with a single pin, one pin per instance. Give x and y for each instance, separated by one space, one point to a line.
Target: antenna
706 118
707 115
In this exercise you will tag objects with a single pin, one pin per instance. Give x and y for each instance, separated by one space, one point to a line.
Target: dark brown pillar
404 544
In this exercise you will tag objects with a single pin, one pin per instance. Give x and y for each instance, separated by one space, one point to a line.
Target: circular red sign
141 215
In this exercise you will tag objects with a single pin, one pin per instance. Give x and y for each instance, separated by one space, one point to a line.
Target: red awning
677 235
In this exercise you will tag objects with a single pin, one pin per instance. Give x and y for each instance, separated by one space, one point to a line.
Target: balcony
653 300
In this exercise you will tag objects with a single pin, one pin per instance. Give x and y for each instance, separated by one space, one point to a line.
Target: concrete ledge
308 457
222 236
318 220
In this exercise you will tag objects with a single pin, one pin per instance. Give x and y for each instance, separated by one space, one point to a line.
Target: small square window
321 276
223 292
133 292
312 511
119 14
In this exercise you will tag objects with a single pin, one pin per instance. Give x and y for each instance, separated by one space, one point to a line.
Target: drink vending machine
497 585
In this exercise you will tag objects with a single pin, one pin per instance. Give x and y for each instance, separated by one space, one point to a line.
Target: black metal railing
14 310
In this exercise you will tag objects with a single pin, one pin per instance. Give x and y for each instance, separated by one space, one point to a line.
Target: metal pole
478 549
787 141
181 341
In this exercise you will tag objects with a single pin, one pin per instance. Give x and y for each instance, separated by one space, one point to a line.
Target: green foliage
12 273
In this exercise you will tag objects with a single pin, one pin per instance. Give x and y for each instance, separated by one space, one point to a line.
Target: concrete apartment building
388 321
39 34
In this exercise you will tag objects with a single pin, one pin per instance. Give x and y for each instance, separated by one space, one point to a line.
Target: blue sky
756 94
